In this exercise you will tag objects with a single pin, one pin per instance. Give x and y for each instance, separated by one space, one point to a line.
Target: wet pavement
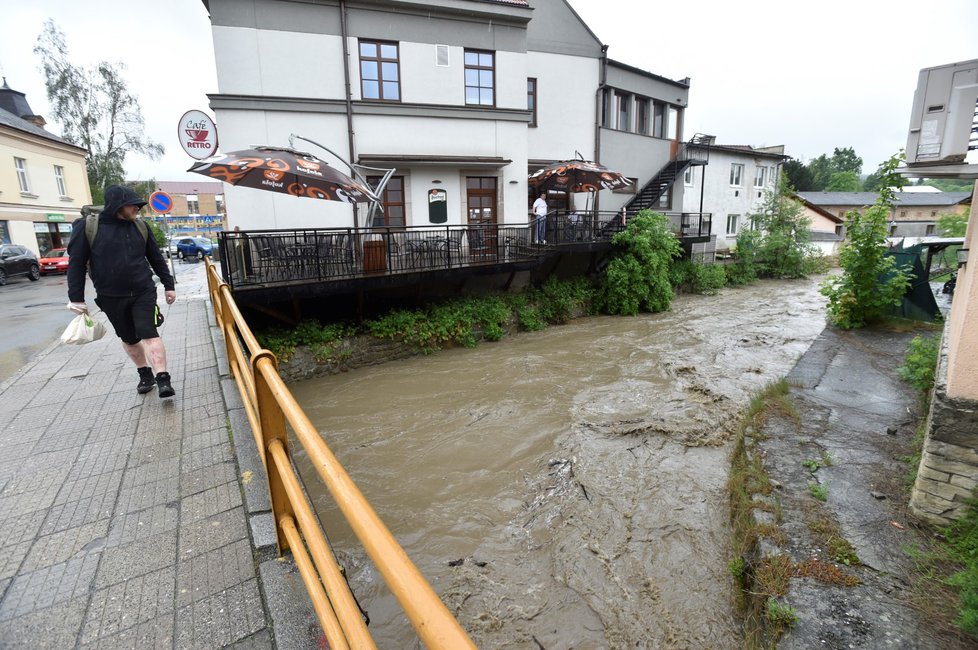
856 421
124 522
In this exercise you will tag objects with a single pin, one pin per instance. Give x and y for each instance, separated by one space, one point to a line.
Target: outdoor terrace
335 260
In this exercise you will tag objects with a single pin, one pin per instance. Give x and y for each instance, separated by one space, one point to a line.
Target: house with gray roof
914 214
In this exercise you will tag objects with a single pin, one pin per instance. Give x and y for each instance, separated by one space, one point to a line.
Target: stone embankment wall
348 354
948 472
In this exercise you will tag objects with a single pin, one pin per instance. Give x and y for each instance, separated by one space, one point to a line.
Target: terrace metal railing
262 257
268 257
270 406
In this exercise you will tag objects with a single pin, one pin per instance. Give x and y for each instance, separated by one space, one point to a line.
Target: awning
394 160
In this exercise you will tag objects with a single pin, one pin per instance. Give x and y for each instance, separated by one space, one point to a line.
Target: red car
54 261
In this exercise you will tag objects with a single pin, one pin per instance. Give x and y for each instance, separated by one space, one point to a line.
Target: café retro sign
197 134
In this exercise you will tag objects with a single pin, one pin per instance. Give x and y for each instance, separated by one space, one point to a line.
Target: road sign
197 134
160 202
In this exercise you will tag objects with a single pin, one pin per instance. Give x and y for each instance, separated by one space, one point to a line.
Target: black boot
163 381
146 380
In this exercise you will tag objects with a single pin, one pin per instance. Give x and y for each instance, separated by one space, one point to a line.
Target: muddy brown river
564 488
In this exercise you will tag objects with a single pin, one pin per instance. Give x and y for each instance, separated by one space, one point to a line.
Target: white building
462 96
731 186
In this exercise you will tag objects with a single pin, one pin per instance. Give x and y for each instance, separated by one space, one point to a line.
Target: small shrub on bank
962 537
637 278
322 339
920 364
706 279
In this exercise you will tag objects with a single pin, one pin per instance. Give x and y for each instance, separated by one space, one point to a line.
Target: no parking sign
160 202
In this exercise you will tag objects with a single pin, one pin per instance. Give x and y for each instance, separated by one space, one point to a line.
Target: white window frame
193 202
20 164
760 176
733 219
59 178
736 174
688 176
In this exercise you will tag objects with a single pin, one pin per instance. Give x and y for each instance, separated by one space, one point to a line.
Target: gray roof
14 122
909 199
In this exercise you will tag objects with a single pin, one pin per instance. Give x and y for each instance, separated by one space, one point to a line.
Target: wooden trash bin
374 256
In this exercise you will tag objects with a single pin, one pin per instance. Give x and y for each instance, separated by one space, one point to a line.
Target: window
379 71
658 119
59 177
393 201
760 175
219 203
930 230
688 177
736 174
480 78
665 201
622 103
193 205
531 99
672 126
642 119
441 56
893 230
733 221
21 166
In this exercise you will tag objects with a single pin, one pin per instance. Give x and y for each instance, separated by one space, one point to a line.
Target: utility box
942 123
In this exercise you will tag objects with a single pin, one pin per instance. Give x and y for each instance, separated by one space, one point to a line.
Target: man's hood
117 196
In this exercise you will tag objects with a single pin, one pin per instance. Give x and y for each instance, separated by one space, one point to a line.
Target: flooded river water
564 488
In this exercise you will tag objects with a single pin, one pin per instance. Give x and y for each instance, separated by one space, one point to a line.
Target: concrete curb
293 621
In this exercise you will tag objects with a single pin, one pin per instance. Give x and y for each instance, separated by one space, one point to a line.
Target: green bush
920 364
870 284
687 275
322 339
743 270
637 279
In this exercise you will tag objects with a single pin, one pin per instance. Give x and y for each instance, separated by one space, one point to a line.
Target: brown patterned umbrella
280 169
576 176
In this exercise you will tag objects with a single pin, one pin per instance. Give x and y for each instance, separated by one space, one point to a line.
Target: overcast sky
810 76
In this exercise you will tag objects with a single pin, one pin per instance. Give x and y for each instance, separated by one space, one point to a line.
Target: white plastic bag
83 329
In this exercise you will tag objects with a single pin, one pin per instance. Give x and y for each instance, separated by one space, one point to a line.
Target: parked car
17 260
198 247
54 261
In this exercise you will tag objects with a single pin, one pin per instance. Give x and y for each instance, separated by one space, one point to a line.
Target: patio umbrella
576 176
284 170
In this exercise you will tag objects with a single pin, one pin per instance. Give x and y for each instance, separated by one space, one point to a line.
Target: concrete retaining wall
948 472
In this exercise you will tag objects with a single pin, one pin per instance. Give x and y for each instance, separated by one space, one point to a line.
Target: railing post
272 425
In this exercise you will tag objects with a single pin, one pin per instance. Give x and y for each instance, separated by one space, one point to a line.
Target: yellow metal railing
269 406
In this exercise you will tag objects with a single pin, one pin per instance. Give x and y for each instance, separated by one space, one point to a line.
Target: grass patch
818 490
781 616
825 572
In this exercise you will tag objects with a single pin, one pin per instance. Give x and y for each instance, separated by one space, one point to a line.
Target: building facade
43 178
914 214
463 97
198 209
731 187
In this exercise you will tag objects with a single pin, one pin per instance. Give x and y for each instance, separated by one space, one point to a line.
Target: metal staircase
694 152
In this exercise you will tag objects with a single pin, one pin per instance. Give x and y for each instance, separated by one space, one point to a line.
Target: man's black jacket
119 260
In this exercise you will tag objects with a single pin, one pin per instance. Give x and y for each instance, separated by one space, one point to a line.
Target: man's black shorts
132 317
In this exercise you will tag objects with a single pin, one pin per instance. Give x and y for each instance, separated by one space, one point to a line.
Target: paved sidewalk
124 519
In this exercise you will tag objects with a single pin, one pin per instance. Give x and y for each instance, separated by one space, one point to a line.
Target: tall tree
875 181
846 160
844 182
870 283
821 170
798 175
95 109
785 234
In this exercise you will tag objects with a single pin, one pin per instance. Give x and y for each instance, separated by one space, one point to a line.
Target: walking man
540 221
118 252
